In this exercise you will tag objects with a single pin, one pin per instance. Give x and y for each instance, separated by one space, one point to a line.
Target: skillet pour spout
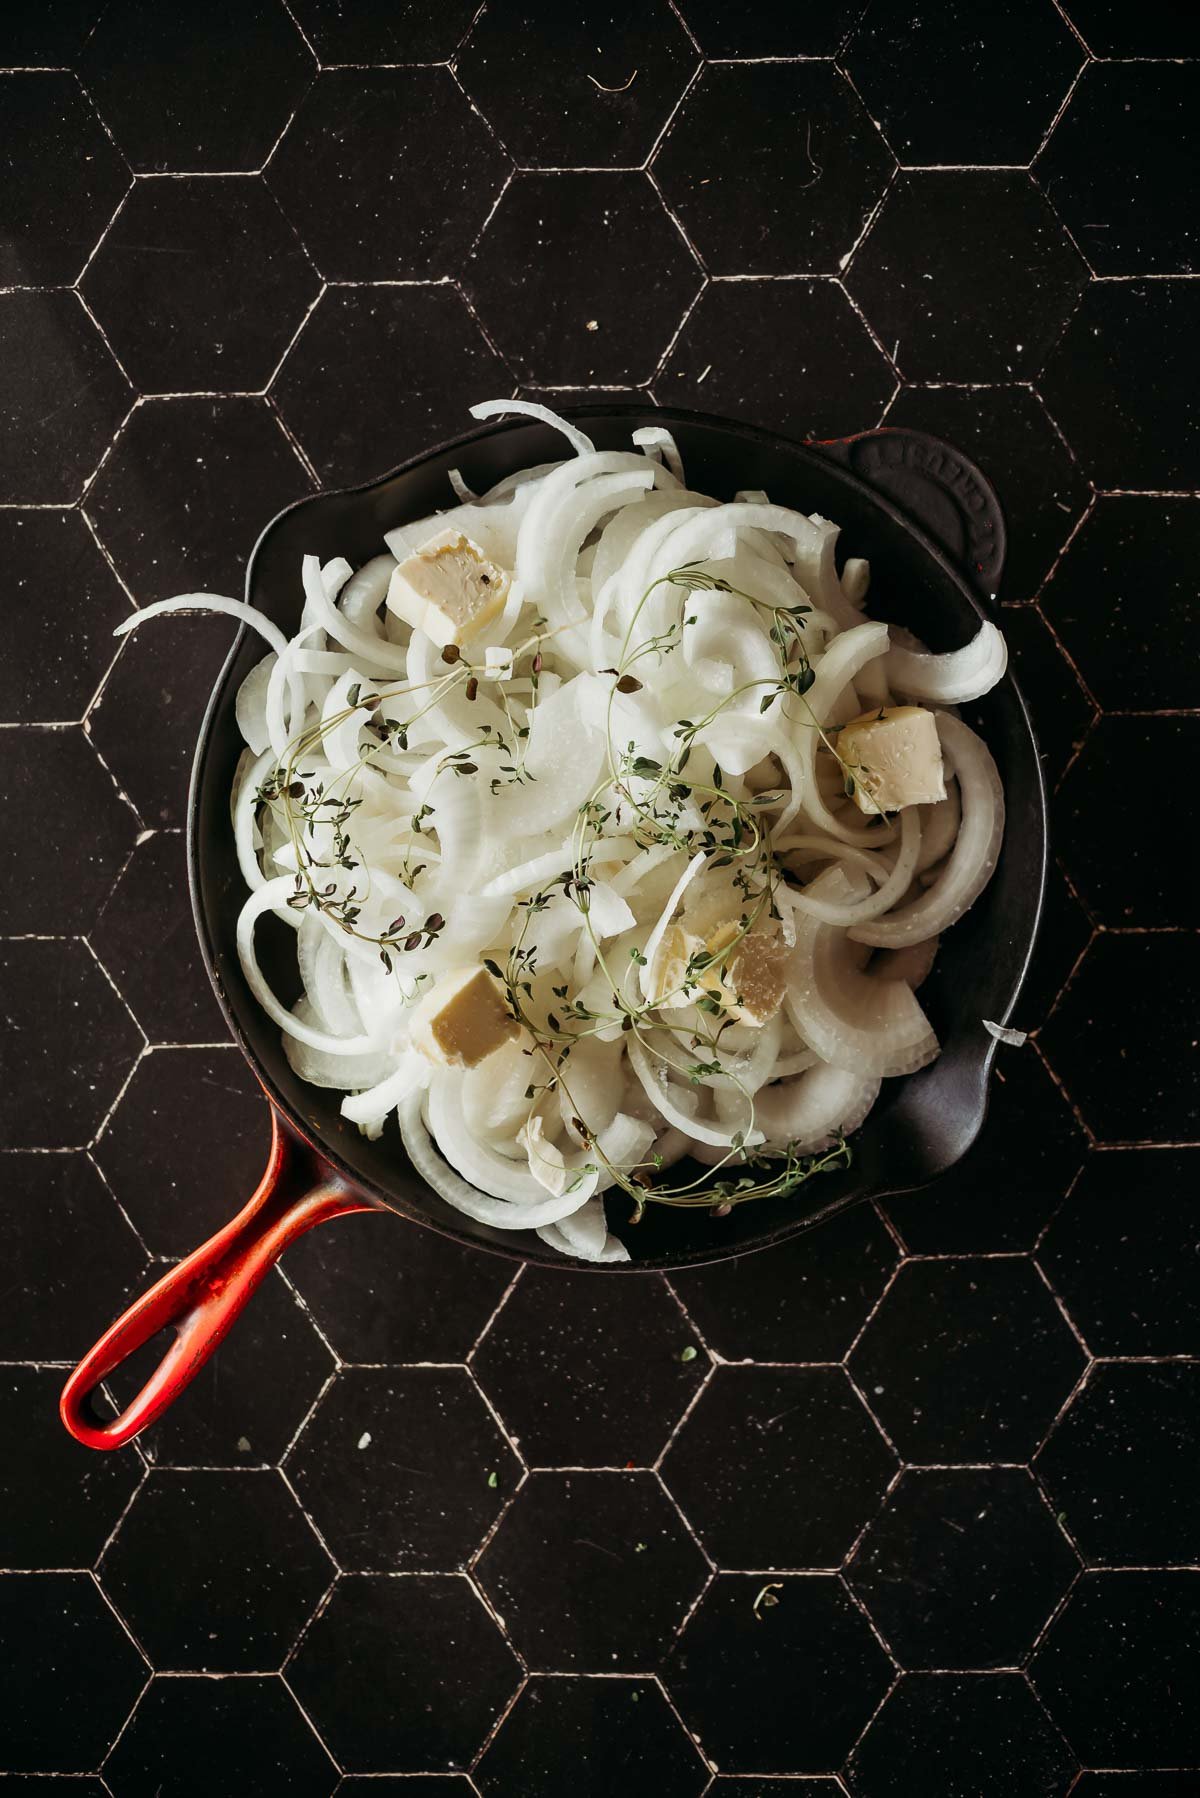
930 525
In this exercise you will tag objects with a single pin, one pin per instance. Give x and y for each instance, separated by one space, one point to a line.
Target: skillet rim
525 1246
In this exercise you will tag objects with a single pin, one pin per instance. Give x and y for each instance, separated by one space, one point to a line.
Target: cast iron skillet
882 488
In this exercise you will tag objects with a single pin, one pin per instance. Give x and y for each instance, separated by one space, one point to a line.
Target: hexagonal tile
1132 1637
759 1435
1121 1252
59 1218
1116 785
90 1490
627 1571
805 1301
778 1676
187 1145
1126 140
56 774
383 1290
962 1567
246 1403
820 1786
62 1647
67 1045
589 1373
977 1733
825 378
421 341
1141 1087
69 602
404 1673
723 30
266 1743
1000 1195
1118 1466
1003 277
1134 551
426 1432
1007 432
224 78
1135 1785
967 1360
1063 935
406 1785
1159 28
570 87
145 937
787 201
1063 711
396 31
63 180
963 84
563 312
200 283
592 1737
245 1571
1127 416
190 484
357 136
50 35
53 441
157 693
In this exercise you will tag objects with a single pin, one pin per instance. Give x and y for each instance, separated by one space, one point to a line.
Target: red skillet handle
203 1296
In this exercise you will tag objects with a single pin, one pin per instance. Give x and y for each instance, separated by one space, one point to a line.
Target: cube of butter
462 1019
663 982
750 981
448 588
894 758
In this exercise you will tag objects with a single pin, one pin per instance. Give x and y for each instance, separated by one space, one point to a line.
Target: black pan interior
921 1125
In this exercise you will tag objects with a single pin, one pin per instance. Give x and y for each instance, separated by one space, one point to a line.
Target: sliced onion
951 679
975 853
497 408
809 1111
873 905
871 1027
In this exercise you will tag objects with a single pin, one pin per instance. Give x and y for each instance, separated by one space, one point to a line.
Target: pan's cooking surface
116 1059
923 1124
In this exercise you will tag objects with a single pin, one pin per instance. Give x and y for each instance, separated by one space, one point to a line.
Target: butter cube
462 1019
750 981
894 758
664 977
448 588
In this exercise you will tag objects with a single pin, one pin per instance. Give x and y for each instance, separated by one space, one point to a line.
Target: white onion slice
951 679
497 408
870 1027
975 853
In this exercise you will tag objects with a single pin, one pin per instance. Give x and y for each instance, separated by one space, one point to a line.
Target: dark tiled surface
62 179
629 1571
962 1567
584 86
646 1453
200 283
592 1737
358 135
789 201
1120 206
1007 432
962 1733
963 83
565 313
968 274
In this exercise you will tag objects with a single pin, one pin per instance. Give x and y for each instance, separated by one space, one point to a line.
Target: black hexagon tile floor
904 1507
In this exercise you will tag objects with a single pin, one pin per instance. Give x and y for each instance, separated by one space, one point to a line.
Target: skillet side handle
941 490
203 1296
